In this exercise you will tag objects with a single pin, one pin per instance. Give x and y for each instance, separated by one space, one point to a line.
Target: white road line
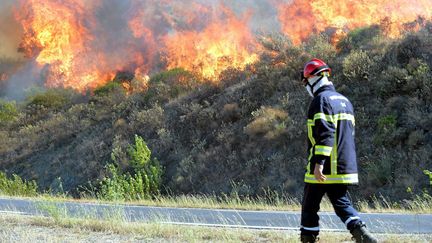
244 226
13 212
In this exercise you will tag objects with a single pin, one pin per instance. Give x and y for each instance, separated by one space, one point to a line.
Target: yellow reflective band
310 134
333 157
332 118
333 179
323 150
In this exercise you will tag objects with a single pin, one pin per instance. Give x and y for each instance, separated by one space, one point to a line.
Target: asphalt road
282 220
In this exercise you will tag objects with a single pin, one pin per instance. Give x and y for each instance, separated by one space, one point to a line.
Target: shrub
170 84
51 99
408 49
8 111
268 122
173 76
380 172
139 154
412 79
358 38
16 186
421 80
386 128
109 88
429 174
279 52
357 65
320 47
143 182
149 120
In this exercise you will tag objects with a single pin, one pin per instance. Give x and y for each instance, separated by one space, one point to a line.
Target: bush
144 181
268 122
359 38
170 84
8 111
54 99
386 129
15 186
408 49
357 65
109 88
412 79
320 47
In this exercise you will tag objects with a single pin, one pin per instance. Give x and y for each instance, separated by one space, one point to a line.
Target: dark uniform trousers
338 195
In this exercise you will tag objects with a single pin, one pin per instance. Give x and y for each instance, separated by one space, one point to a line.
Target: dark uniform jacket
331 138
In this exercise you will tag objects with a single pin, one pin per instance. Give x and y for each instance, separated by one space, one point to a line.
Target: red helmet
314 67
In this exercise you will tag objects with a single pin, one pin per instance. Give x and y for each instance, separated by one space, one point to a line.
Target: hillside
247 131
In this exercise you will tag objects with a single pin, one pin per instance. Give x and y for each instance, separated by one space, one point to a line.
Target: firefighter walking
332 163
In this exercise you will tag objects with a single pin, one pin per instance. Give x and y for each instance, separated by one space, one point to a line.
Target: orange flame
302 18
220 45
57 37
77 45
61 37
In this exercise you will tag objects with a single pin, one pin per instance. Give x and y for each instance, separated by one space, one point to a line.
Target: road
281 220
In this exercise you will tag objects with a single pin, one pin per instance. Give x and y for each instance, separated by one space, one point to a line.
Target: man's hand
318 173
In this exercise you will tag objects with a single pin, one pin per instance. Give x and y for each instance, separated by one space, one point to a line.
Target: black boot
309 238
362 235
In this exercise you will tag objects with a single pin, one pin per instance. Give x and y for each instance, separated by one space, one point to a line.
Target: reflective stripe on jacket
331 138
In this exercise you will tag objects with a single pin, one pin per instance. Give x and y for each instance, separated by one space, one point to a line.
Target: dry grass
19 228
422 204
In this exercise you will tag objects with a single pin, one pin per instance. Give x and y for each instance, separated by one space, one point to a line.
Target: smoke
264 14
10 37
10 31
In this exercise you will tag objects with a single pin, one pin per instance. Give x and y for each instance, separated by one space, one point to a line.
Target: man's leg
342 205
343 208
312 196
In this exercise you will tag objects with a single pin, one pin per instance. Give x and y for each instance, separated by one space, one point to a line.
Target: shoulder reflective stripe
351 219
333 179
311 228
332 118
324 117
345 116
323 150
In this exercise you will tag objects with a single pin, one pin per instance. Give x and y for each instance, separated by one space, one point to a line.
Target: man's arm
324 130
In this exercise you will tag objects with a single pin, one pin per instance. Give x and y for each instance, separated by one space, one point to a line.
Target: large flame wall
83 43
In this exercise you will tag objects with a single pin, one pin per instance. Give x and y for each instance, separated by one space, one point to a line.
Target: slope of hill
247 131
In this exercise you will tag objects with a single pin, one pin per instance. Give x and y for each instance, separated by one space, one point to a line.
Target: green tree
143 182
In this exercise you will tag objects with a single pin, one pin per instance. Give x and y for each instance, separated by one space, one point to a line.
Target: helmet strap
315 83
319 81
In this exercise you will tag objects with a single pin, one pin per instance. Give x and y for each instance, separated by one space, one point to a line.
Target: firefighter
332 164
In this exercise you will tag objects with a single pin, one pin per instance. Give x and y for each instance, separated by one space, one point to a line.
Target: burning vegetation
340 16
83 44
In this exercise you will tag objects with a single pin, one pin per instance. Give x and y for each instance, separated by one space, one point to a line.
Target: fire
79 49
83 44
224 43
56 36
75 47
302 18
